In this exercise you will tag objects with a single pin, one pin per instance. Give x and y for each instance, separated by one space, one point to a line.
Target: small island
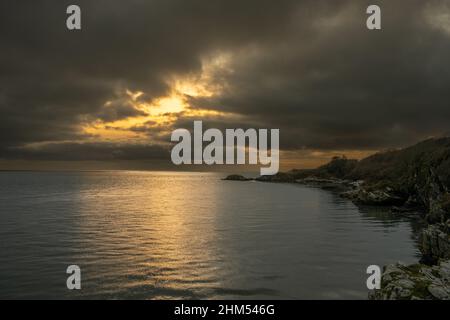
237 177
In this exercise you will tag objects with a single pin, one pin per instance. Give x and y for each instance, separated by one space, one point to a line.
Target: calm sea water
147 235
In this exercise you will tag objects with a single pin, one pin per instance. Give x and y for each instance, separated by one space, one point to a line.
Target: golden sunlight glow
134 95
162 112
171 104
208 83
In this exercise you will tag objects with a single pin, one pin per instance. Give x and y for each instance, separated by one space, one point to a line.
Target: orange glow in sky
161 112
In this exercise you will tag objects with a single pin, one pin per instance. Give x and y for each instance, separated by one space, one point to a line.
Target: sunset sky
110 95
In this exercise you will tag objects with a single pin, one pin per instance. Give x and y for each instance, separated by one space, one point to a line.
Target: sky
109 96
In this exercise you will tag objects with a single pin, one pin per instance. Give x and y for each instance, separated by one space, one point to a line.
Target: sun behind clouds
160 113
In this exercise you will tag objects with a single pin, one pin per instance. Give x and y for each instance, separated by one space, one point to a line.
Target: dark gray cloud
118 110
310 68
342 86
90 151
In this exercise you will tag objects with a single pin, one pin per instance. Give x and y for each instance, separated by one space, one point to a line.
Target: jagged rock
400 282
376 197
439 209
435 243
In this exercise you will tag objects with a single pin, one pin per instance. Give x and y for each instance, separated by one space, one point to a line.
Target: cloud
89 151
310 68
118 110
342 86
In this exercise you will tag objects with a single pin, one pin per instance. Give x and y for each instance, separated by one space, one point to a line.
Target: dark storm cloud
88 151
118 110
342 86
310 68
51 78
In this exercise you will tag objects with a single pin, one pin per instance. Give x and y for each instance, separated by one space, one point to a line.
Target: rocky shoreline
414 282
413 182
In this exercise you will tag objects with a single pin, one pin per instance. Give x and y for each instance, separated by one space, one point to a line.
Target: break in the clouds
139 69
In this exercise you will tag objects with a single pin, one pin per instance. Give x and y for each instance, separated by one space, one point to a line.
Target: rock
406 283
356 184
405 211
400 282
438 292
279 177
337 185
404 293
350 194
384 197
377 197
435 243
237 177
314 180
439 209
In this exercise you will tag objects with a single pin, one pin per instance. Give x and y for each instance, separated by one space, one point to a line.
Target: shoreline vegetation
413 182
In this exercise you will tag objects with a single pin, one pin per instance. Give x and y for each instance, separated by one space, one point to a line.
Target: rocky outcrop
383 197
400 282
237 177
429 279
439 208
435 243
279 177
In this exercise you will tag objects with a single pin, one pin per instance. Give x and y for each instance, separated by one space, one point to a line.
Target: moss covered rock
418 281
